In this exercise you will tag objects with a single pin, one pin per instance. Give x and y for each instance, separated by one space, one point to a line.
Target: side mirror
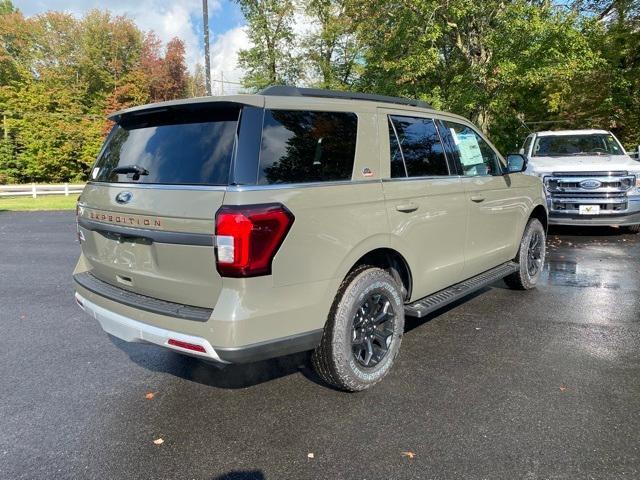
516 163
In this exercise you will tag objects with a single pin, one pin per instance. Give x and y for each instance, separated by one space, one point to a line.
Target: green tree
271 59
332 47
497 62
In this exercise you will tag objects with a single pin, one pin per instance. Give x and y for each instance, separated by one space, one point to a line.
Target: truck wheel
633 228
363 332
530 257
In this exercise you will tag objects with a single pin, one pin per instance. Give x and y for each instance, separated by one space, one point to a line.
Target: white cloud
224 59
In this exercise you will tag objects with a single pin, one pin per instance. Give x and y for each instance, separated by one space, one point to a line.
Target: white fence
34 189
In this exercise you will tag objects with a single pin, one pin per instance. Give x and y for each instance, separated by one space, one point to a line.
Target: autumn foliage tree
60 76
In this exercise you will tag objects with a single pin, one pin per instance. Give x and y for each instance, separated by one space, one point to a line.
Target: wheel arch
391 261
541 214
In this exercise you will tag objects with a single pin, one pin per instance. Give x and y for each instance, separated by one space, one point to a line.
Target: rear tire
633 228
362 337
530 257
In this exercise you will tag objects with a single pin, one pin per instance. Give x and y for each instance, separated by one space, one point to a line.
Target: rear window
183 148
304 146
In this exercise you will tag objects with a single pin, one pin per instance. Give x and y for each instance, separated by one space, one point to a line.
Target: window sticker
470 153
94 175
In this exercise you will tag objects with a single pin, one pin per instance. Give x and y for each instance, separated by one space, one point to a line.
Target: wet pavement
504 385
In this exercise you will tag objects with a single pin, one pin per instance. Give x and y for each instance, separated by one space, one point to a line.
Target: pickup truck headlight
550 184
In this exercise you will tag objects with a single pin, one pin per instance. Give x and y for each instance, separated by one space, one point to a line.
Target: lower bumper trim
601 220
131 330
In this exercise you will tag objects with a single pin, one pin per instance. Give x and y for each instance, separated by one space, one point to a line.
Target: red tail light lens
248 237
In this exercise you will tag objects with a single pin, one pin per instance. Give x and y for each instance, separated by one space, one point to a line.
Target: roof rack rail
285 91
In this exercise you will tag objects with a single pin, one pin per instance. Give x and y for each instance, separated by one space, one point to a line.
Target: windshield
570 145
184 148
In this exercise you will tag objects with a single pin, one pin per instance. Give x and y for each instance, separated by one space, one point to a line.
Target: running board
433 302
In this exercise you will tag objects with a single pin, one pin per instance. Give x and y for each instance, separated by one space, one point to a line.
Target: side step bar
437 300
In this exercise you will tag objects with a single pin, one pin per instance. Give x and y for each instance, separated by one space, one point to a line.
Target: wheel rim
372 332
534 254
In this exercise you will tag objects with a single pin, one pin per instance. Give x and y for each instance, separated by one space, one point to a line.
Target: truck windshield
576 145
177 147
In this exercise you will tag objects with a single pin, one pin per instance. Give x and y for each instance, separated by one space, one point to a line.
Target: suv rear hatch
146 218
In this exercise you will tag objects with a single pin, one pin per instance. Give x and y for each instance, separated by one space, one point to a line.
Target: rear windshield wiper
135 169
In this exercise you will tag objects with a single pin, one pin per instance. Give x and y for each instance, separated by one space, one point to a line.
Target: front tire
633 228
362 337
530 257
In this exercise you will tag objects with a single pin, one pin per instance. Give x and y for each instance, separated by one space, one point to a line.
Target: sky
168 19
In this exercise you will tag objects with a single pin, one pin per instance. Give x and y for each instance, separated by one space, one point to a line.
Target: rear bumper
131 330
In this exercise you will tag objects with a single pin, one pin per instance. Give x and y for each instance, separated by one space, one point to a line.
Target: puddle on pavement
571 273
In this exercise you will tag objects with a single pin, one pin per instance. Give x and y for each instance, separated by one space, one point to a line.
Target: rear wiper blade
137 170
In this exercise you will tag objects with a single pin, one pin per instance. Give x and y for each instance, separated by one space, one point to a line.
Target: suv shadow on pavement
236 376
233 376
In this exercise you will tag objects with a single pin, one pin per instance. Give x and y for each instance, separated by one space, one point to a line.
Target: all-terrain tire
529 265
334 359
633 228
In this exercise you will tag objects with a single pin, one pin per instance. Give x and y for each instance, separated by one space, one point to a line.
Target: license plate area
589 209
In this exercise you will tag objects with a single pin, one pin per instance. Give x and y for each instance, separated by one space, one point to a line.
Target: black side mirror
516 163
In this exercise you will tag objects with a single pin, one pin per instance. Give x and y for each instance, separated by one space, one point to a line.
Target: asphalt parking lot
505 385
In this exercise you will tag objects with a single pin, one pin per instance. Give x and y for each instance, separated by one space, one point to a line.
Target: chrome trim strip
611 173
433 177
158 236
161 186
585 200
285 186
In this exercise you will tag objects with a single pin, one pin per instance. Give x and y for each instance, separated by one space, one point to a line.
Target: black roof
285 91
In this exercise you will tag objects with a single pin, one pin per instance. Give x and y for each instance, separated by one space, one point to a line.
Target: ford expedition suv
588 177
240 228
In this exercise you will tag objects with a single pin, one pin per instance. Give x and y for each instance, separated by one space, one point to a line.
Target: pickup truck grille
568 190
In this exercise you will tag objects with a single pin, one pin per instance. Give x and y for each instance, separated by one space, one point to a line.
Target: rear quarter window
307 146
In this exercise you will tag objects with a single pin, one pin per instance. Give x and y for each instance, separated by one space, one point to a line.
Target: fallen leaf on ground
149 395
409 455
310 455
158 441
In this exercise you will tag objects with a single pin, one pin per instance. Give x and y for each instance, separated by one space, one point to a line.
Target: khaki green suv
239 228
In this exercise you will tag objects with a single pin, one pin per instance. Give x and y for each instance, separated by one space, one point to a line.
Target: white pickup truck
589 179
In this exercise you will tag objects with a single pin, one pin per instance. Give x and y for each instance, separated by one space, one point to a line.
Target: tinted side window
303 146
421 147
475 155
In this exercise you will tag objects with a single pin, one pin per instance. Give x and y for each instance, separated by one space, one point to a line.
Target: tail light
248 237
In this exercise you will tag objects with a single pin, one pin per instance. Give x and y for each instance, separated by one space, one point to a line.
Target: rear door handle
407 207
477 198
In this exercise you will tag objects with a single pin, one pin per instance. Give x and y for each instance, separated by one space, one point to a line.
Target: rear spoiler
189 104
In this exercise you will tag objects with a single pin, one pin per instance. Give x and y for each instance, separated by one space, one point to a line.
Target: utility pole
207 60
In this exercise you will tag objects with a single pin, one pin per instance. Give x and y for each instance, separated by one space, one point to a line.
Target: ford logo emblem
590 184
124 197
